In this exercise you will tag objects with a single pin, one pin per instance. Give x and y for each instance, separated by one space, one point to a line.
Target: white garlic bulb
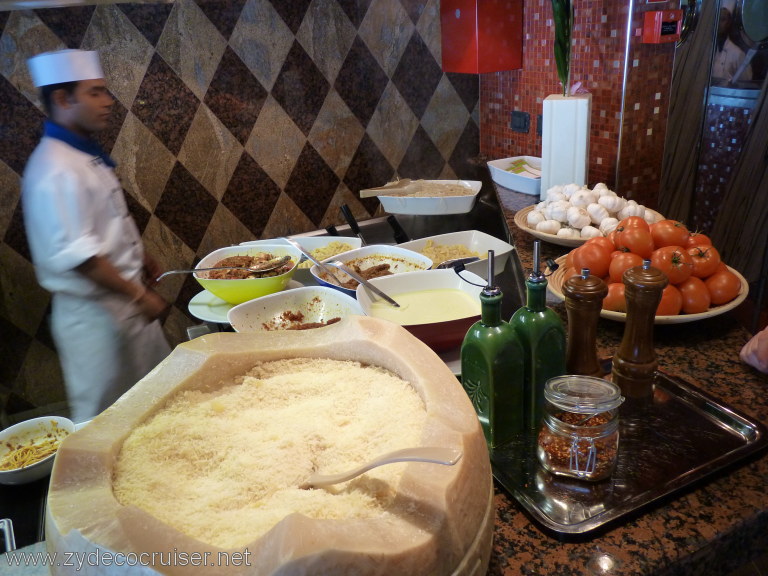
568 233
557 211
534 217
570 189
578 217
608 225
612 202
597 213
548 226
590 232
582 198
631 208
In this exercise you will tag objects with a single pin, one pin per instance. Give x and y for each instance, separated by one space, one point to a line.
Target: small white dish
473 240
36 431
281 311
209 308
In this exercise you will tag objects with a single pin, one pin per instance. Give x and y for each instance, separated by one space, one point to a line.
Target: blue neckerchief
76 141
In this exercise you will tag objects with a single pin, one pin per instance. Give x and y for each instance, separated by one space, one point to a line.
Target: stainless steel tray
680 437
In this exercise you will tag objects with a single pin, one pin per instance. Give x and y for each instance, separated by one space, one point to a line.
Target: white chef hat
64 66
729 5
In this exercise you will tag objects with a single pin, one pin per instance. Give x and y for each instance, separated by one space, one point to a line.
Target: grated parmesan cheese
224 466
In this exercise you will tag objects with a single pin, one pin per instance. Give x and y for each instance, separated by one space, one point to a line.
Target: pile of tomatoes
698 279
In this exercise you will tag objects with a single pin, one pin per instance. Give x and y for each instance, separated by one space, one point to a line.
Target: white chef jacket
74 209
727 62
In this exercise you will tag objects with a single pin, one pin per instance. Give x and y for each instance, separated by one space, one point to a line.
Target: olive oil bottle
492 369
542 335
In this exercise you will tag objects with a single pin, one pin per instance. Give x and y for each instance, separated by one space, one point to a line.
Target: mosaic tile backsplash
632 113
233 120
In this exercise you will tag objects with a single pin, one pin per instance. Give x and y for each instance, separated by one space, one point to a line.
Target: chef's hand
151 304
755 352
151 269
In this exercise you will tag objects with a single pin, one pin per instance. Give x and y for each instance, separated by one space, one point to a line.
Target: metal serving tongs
265 267
363 281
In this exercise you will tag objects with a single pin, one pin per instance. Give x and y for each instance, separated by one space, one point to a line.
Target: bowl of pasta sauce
27 449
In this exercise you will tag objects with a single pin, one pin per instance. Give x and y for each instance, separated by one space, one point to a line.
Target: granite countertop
712 527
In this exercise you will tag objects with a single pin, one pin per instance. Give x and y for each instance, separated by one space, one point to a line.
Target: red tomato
723 287
636 239
669 233
674 261
671 302
696 297
603 241
615 300
621 262
592 256
698 239
633 222
705 260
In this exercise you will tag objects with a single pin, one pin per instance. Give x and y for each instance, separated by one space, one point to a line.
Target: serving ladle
429 454
265 267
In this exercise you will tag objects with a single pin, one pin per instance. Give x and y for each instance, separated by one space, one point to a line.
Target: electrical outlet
521 121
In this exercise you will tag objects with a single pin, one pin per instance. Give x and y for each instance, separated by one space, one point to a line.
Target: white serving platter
428 205
473 240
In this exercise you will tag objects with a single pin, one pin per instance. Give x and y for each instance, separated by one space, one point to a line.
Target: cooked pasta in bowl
27 449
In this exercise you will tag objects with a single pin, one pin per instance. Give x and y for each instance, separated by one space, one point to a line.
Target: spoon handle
364 282
429 454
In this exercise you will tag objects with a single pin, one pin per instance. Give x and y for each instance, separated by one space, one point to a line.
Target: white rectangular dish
524 182
433 205
473 240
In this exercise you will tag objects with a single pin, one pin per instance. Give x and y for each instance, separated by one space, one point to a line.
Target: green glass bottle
492 369
542 335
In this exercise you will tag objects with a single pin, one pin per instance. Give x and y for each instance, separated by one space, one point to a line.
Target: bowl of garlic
570 215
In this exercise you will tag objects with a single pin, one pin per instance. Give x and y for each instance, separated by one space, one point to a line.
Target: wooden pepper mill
583 301
634 364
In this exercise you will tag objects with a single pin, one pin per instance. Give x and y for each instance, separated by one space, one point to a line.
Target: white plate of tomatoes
701 285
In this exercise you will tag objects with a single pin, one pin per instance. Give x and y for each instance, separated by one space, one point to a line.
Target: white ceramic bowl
472 240
281 311
399 259
239 291
29 432
440 335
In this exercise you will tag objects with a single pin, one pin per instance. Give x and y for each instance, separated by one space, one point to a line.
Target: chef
85 246
728 56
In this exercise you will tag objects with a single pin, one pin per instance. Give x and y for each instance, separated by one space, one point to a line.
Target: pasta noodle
442 252
325 252
32 452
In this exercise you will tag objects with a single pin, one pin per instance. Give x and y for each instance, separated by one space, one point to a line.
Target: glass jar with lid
579 435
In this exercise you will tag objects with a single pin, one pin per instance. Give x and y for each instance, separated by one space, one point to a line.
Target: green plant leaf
562 15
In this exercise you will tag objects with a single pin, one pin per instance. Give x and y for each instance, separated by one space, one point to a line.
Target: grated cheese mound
224 466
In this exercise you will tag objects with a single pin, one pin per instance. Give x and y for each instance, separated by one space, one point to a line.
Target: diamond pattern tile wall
233 120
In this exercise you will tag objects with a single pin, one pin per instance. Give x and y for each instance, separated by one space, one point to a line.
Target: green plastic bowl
239 291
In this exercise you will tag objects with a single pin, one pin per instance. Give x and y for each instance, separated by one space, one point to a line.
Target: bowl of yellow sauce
436 306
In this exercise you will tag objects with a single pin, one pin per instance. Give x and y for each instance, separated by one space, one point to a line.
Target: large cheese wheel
445 528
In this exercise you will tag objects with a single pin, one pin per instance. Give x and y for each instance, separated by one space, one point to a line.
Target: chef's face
88 108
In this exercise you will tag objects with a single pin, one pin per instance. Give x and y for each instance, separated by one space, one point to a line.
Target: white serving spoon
429 454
